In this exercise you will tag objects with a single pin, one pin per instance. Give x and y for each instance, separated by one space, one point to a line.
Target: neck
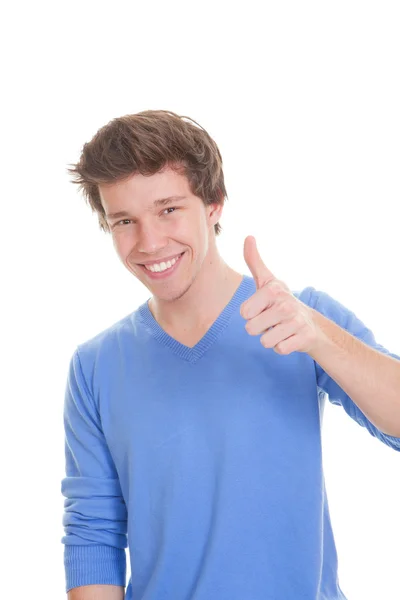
200 305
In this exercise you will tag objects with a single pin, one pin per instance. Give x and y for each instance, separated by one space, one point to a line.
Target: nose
151 240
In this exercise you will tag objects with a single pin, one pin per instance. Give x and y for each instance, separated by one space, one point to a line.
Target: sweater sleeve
95 514
346 319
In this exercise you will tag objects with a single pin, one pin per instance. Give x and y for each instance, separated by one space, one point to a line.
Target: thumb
258 269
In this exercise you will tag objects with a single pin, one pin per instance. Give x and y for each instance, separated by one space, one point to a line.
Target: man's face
176 233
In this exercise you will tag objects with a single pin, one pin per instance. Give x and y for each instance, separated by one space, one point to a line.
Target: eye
170 208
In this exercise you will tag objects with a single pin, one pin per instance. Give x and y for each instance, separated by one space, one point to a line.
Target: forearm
97 592
371 379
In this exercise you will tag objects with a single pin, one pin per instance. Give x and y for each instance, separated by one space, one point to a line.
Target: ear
215 211
214 215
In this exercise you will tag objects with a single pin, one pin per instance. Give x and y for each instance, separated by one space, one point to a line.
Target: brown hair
145 143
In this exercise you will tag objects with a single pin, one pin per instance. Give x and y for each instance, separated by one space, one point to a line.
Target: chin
171 293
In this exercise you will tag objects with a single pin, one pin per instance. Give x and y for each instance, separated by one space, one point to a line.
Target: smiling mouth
165 263
158 262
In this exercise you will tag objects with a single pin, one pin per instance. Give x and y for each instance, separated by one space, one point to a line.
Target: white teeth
158 267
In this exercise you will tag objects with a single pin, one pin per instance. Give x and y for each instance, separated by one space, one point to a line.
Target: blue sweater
205 461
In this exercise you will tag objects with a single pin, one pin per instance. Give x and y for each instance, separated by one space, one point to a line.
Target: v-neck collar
196 352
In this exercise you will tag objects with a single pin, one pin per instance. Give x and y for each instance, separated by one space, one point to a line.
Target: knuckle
248 327
287 309
297 320
276 286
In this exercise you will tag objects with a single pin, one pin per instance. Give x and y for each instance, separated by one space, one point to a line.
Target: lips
161 260
163 274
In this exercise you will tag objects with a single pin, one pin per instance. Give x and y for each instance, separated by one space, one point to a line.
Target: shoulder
106 347
335 310
322 301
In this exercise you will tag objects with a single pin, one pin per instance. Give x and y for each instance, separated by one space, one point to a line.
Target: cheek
116 240
123 245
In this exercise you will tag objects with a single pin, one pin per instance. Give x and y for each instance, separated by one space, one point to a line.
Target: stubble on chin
175 295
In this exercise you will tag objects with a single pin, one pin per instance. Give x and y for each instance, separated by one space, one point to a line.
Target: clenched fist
285 323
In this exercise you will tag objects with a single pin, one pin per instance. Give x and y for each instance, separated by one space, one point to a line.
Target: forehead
143 190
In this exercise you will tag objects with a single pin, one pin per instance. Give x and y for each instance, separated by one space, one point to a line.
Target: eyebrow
159 202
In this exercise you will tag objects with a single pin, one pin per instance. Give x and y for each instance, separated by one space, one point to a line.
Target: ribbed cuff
393 442
94 564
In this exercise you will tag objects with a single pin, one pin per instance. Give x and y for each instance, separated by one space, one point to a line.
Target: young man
187 439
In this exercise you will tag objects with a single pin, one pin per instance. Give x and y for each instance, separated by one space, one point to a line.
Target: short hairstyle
145 143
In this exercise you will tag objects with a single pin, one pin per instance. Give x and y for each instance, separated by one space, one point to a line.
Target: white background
303 101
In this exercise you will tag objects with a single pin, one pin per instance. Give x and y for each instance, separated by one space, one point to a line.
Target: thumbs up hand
285 323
